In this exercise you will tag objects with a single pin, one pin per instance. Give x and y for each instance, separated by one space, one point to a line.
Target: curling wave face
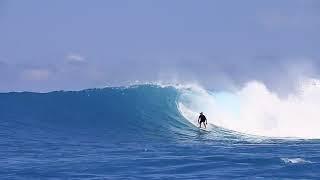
142 112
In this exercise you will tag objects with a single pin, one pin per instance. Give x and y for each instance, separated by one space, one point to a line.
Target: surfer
202 119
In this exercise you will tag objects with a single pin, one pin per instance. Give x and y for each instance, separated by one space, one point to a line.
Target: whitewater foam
256 110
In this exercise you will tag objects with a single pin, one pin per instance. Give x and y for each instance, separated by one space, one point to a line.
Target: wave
150 111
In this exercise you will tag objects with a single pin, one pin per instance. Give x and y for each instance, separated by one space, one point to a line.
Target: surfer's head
201 112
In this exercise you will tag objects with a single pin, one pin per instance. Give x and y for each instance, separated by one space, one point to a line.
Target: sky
71 45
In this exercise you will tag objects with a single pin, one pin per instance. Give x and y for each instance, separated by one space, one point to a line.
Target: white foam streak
295 161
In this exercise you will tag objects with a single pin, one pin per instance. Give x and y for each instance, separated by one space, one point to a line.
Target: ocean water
148 132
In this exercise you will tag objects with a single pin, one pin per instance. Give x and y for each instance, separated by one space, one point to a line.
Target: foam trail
256 110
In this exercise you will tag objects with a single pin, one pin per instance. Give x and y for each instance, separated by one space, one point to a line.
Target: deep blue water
134 133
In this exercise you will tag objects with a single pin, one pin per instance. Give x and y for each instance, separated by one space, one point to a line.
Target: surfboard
203 129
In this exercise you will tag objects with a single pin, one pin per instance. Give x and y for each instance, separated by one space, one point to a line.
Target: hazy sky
73 44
